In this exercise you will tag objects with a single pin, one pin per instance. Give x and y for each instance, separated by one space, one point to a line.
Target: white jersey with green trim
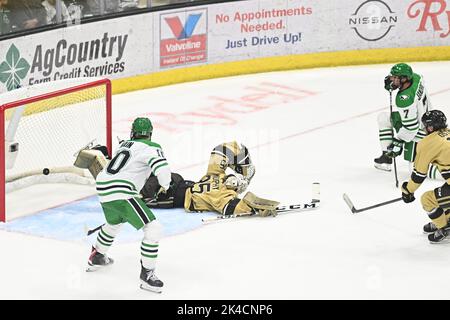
129 169
411 104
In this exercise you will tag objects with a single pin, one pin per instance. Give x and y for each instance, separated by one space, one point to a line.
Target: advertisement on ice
218 33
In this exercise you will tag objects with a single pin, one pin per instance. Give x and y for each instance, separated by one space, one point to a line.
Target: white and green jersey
412 103
130 168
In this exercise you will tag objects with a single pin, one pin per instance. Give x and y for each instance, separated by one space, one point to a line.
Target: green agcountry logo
14 69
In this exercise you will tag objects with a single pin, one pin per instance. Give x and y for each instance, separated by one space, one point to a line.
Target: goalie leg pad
93 160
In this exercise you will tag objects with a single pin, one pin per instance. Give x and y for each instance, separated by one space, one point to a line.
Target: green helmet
141 128
402 70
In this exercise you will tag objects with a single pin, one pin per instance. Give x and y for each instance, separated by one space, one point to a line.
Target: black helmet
435 119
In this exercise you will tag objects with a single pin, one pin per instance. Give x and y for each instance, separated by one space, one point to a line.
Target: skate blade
446 229
443 241
146 287
93 268
383 166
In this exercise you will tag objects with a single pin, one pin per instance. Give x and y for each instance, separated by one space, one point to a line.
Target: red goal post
45 129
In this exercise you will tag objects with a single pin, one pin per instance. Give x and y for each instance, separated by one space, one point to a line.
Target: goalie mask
242 163
141 129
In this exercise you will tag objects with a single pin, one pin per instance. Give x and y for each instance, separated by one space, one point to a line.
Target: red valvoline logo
183 37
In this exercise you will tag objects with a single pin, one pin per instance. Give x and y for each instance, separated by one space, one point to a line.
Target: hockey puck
46 171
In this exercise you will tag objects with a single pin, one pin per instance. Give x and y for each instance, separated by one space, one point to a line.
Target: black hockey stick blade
354 210
89 232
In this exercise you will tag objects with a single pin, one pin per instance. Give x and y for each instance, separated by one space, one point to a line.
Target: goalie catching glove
92 159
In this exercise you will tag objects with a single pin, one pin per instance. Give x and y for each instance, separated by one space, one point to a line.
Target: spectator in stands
4 17
27 14
98 7
50 7
128 4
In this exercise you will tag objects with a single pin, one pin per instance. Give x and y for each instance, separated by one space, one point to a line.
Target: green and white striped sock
149 254
106 237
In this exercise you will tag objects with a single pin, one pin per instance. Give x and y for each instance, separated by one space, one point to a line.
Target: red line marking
311 130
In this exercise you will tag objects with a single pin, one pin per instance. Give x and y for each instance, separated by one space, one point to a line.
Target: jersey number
118 162
202 185
406 113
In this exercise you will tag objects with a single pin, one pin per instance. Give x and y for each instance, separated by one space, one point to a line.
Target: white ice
301 127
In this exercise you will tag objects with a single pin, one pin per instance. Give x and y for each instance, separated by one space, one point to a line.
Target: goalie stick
354 210
315 202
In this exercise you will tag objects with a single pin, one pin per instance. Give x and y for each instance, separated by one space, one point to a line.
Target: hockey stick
354 210
315 202
395 162
89 232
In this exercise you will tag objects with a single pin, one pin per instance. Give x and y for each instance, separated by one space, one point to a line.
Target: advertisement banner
112 49
183 37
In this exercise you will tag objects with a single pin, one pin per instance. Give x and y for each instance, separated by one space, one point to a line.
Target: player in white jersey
118 186
401 130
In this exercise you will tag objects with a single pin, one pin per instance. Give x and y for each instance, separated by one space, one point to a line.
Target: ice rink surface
306 126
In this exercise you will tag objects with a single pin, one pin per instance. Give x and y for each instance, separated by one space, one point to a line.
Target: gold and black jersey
211 194
433 149
228 154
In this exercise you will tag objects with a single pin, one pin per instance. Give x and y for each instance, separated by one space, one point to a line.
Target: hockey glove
395 148
267 212
388 83
406 195
161 192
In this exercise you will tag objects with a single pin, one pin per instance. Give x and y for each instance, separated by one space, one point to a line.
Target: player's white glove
231 182
242 186
236 182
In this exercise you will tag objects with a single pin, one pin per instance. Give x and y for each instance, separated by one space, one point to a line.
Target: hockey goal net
43 127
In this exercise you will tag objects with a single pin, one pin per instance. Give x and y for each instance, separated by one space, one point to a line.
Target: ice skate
97 261
383 162
438 236
431 228
149 281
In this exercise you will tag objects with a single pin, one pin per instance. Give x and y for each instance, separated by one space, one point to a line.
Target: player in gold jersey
433 149
229 173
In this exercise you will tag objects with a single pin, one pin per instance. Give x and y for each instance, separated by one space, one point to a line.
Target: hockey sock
106 237
149 254
385 136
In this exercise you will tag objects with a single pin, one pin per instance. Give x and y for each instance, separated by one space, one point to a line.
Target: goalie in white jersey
118 186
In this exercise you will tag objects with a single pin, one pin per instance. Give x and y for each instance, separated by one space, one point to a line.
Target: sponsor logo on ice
183 37
372 20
